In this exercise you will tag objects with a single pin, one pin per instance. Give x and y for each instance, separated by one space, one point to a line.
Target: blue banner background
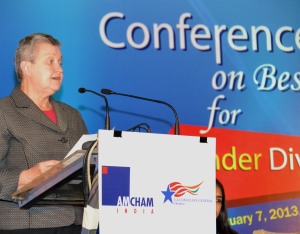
181 77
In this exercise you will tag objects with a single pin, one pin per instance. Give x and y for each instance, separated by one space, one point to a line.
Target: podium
148 183
156 183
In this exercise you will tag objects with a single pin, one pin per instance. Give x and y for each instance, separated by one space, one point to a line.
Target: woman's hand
27 176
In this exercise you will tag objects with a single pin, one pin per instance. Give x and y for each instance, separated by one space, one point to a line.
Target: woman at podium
36 132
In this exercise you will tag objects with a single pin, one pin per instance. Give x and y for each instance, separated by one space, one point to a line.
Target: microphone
107 119
176 130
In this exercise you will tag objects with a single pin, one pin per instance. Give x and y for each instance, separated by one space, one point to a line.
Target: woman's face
46 73
219 198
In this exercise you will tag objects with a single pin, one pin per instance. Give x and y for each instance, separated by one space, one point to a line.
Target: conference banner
228 70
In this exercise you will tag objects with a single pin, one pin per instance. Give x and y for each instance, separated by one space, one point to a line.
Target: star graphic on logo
168 194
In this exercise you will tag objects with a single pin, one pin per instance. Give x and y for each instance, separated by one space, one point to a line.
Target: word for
224 117
199 35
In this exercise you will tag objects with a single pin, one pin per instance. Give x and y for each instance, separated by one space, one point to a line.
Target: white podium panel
155 183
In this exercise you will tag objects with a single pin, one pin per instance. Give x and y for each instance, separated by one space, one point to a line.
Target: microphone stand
176 130
107 119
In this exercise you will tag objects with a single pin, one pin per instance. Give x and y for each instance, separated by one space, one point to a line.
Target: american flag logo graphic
179 189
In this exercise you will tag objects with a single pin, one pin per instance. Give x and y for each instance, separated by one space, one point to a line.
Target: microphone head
106 91
81 90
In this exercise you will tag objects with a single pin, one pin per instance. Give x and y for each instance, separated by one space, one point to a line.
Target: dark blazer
28 136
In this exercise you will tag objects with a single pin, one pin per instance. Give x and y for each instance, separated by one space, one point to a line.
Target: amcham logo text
116 192
135 205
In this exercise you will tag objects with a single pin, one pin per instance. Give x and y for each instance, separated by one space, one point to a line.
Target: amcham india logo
177 190
116 192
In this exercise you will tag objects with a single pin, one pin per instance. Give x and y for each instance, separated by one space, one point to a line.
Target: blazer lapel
29 109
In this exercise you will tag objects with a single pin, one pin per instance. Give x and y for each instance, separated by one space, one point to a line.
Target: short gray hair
27 45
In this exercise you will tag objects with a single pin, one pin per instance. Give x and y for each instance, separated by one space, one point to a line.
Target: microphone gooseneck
176 130
107 118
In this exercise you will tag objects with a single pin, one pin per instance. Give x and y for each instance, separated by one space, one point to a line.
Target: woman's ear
25 67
